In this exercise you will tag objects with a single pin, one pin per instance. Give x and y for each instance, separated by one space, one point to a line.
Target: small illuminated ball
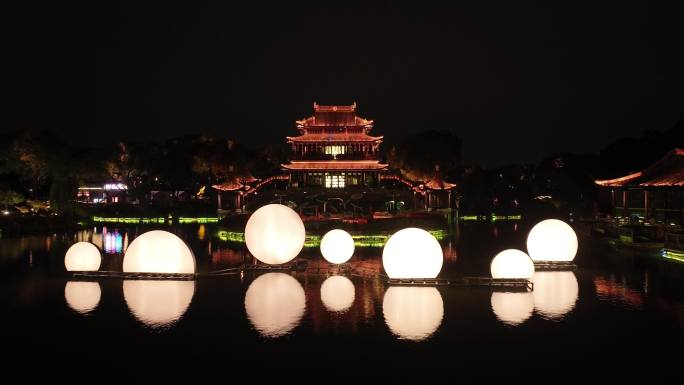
158 251
337 293
412 253
82 256
337 246
512 263
275 234
82 297
552 240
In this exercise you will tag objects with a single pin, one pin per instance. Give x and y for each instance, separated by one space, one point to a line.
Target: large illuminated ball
158 303
512 308
555 293
512 263
337 246
82 297
158 251
413 313
412 253
337 293
552 240
82 256
275 303
275 234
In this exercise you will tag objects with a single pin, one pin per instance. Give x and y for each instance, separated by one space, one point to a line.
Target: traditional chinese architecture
655 193
438 191
334 149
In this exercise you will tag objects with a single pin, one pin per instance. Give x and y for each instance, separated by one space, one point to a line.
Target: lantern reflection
275 304
555 293
512 308
82 297
337 293
413 313
158 304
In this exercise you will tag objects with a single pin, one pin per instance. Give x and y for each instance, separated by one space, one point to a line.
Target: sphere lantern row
337 246
158 251
275 234
82 256
412 253
512 264
552 240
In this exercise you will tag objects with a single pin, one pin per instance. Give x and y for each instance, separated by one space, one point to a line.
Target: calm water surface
616 318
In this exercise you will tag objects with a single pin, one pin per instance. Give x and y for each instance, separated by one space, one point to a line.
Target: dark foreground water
615 319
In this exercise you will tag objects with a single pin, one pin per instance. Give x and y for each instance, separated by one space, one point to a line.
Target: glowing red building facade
334 149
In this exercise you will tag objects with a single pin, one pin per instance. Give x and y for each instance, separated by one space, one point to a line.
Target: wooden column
645 205
218 194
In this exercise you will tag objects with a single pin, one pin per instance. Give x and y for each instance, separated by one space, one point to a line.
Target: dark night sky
515 83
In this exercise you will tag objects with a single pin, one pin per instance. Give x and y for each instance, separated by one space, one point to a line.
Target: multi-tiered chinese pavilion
334 150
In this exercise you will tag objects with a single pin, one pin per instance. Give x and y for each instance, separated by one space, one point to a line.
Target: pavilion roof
668 171
236 183
328 137
229 186
336 116
335 165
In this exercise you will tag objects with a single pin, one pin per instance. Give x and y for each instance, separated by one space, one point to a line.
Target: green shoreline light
135 220
314 240
673 255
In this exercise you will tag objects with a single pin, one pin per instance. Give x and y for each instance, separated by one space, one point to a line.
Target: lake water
616 318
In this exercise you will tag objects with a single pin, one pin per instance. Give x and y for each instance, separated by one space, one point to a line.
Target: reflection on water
413 313
82 297
113 242
337 293
158 304
610 290
555 293
275 304
512 308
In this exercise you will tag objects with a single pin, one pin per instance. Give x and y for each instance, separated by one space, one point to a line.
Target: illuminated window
334 180
335 150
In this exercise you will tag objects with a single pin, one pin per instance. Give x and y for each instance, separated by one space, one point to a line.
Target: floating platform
554 265
122 275
511 283
418 282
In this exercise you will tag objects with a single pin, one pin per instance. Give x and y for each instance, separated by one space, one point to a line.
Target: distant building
334 150
655 193
112 192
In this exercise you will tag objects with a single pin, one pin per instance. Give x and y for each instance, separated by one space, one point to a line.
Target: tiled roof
668 171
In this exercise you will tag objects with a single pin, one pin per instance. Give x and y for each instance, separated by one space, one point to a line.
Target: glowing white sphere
512 263
158 251
412 253
82 256
552 240
157 303
337 246
337 293
275 304
512 308
82 297
413 313
555 293
275 234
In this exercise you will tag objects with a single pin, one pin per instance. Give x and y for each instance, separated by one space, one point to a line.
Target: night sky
515 83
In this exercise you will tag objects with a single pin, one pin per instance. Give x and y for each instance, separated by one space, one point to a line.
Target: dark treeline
560 182
39 166
36 167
